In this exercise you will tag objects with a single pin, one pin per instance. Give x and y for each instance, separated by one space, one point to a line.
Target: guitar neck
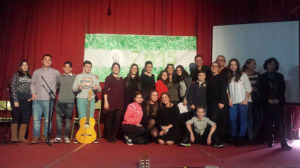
88 111
88 108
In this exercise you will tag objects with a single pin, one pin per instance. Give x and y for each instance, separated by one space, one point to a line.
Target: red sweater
161 88
134 114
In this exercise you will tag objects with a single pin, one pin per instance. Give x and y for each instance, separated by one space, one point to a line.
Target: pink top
134 114
161 88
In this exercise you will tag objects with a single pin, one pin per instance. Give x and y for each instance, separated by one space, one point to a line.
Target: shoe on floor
285 146
75 141
128 140
111 140
185 144
96 141
35 140
219 145
56 140
67 140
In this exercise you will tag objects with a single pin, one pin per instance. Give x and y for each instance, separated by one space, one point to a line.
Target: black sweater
216 90
197 94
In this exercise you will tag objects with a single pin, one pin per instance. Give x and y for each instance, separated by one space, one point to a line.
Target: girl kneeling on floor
133 130
168 119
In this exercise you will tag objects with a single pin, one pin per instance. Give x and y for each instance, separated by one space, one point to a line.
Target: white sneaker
67 140
128 140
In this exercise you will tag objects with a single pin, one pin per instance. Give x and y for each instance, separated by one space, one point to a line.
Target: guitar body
86 133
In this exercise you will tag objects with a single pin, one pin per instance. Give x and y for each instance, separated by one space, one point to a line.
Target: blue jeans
241 111
82 107
41 109
63 110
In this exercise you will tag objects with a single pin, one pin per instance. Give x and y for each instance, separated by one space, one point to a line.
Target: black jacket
272 88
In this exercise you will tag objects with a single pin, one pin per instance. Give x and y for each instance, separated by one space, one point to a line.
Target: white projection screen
262 41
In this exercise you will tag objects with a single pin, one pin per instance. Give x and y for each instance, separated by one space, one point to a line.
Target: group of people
223 103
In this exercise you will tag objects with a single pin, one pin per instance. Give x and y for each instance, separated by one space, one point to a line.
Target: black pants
219 117
113 121
21 114
134 132
275 117
183 118
202 139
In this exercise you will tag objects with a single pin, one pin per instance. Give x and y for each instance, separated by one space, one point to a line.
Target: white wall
262 41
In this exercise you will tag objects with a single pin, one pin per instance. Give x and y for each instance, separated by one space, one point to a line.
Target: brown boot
14 132
22 132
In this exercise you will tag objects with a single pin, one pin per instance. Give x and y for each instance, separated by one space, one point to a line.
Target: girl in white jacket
239 89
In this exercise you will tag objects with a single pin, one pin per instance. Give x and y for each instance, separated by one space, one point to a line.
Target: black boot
232 140
284 145
240 141
271 141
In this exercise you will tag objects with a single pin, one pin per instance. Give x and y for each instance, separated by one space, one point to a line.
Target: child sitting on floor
200 130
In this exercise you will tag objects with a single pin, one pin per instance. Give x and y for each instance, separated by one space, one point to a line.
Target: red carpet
120 155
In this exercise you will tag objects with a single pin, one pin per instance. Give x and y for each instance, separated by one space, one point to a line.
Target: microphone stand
3 138
51 98
5 120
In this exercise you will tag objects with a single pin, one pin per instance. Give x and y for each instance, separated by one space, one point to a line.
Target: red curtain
32 28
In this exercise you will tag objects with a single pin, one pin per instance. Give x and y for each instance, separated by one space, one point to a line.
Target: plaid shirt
38 84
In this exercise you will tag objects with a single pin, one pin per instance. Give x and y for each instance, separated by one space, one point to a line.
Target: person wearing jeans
40 96
41 109
66 103
82 107
239 89
83 83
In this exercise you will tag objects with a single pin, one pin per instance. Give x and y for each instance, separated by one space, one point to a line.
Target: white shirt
237 90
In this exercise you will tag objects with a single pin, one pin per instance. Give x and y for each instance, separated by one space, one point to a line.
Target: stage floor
119 155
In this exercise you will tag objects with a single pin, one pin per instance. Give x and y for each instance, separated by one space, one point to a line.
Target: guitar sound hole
86 125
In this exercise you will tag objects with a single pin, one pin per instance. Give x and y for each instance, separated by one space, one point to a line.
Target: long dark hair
248 62
238 72
129 80
21 72
184 74
148 104
160 77
173 75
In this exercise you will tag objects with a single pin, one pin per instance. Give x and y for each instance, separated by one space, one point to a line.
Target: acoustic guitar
86 133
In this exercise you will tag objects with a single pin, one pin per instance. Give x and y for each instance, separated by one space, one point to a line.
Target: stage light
296 144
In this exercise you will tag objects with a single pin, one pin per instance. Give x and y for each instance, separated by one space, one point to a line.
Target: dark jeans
113 121
134 132
63 110
21 114
275 117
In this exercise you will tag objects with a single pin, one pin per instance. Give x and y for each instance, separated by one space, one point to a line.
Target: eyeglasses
215 66
218 60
